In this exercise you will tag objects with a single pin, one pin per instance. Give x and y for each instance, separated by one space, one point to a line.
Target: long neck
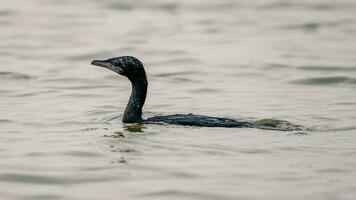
133 110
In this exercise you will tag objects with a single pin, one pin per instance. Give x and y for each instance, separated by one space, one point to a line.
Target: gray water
61 134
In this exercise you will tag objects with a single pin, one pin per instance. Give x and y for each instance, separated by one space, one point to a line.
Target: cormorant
133 69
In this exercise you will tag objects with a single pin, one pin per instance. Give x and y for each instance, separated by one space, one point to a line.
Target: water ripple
170 74
332 80
179 194
6 12
329 68
15 76
49 180
6 121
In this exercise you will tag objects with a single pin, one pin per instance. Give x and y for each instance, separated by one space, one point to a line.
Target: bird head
127 66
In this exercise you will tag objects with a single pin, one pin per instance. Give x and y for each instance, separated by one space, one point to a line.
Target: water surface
61 131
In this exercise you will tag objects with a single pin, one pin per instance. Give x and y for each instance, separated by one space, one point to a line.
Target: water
61 131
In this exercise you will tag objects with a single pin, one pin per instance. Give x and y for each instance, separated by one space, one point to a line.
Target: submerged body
196 120
133 69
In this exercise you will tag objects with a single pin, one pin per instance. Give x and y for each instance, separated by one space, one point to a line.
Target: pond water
61 134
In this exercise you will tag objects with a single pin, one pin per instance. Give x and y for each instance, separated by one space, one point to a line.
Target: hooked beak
101 63
106 64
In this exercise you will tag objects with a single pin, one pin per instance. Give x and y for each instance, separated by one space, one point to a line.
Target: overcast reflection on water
61 133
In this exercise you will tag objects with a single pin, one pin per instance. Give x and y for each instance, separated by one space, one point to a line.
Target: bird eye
116 62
